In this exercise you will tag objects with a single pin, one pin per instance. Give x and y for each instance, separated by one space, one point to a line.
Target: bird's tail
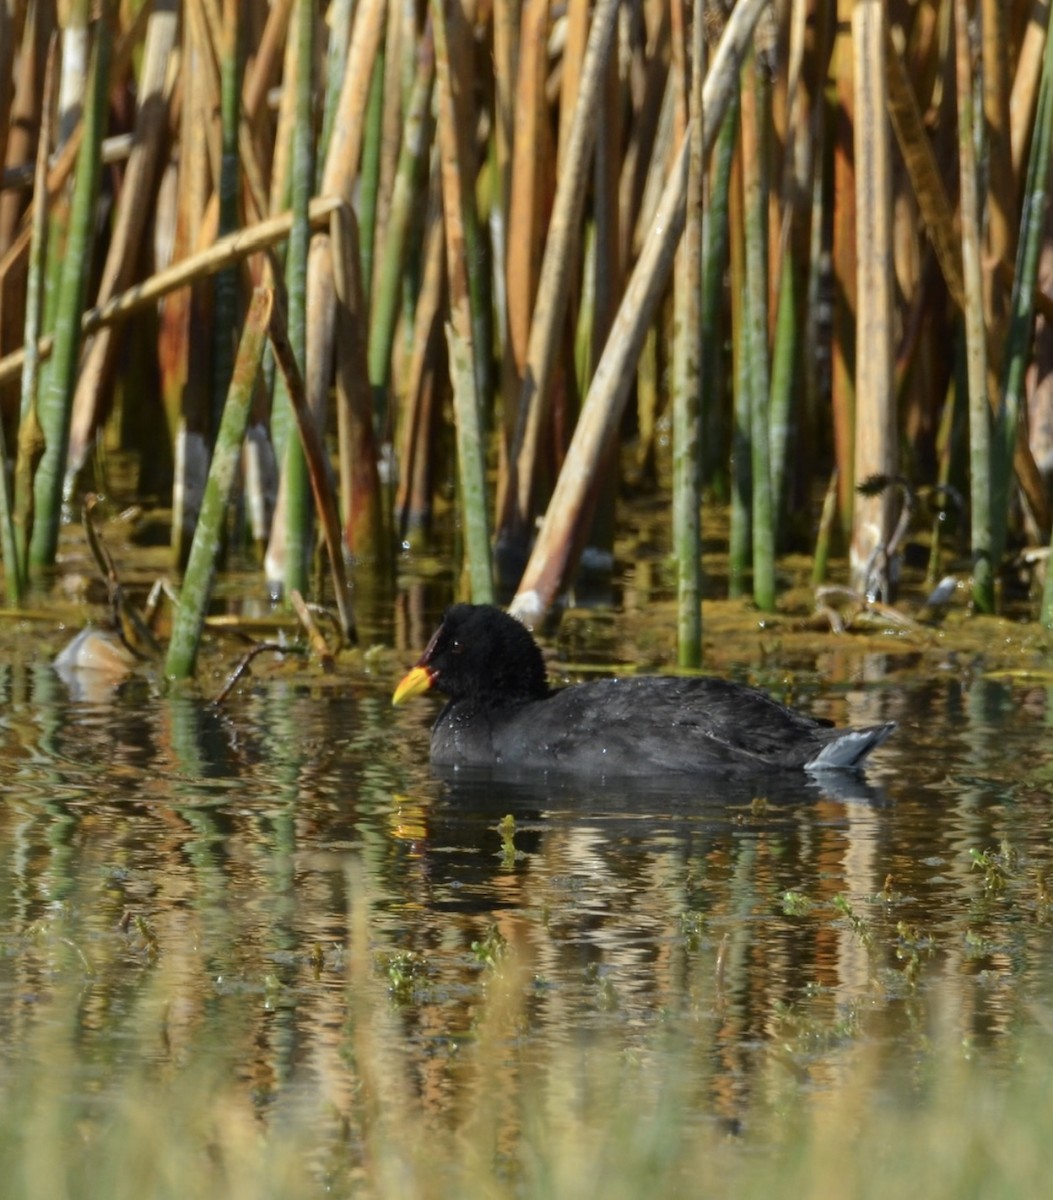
849 748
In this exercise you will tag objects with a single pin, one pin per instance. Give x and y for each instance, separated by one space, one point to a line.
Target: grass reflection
149 1095
262 952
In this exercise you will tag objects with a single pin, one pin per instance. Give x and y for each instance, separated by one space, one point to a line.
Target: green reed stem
756 194
472 481
714 323
583 333
298 513
741 465
405 196
13 579
226 457
56 395
783 378
369 173
18 508
687 351
975 332
319 474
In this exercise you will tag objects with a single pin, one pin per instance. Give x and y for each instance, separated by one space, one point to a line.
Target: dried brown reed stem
413 499
30 437
1024 95
232 249
133 207
875 415
924 171
460 332
1001 187
362 513
560 258
530 154
573 500
843 254
6 65
22 110
317 467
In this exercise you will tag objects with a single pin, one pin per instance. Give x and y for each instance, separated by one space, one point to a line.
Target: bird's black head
480 653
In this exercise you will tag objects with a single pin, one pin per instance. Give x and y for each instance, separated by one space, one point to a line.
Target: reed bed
864 285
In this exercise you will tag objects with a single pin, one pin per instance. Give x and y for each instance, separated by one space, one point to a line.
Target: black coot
501 713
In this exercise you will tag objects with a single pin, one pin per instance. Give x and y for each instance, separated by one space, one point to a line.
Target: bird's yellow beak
419 680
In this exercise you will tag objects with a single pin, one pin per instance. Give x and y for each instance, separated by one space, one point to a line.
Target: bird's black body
501 713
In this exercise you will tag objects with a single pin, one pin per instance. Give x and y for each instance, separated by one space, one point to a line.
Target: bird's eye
456 648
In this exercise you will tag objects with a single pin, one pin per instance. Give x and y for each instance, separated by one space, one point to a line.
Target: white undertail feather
850 748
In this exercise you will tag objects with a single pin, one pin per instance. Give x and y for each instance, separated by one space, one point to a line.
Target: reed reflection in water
280 899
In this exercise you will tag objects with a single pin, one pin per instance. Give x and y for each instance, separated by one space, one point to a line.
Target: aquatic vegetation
599 215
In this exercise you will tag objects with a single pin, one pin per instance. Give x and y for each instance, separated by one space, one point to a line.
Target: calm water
151 842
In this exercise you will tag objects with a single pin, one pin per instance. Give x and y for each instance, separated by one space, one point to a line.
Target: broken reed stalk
975 330
196 591
553 555
56 397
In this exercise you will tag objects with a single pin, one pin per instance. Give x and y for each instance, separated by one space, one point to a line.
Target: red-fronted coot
501 713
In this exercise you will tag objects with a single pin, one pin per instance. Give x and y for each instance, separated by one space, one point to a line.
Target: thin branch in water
246 661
